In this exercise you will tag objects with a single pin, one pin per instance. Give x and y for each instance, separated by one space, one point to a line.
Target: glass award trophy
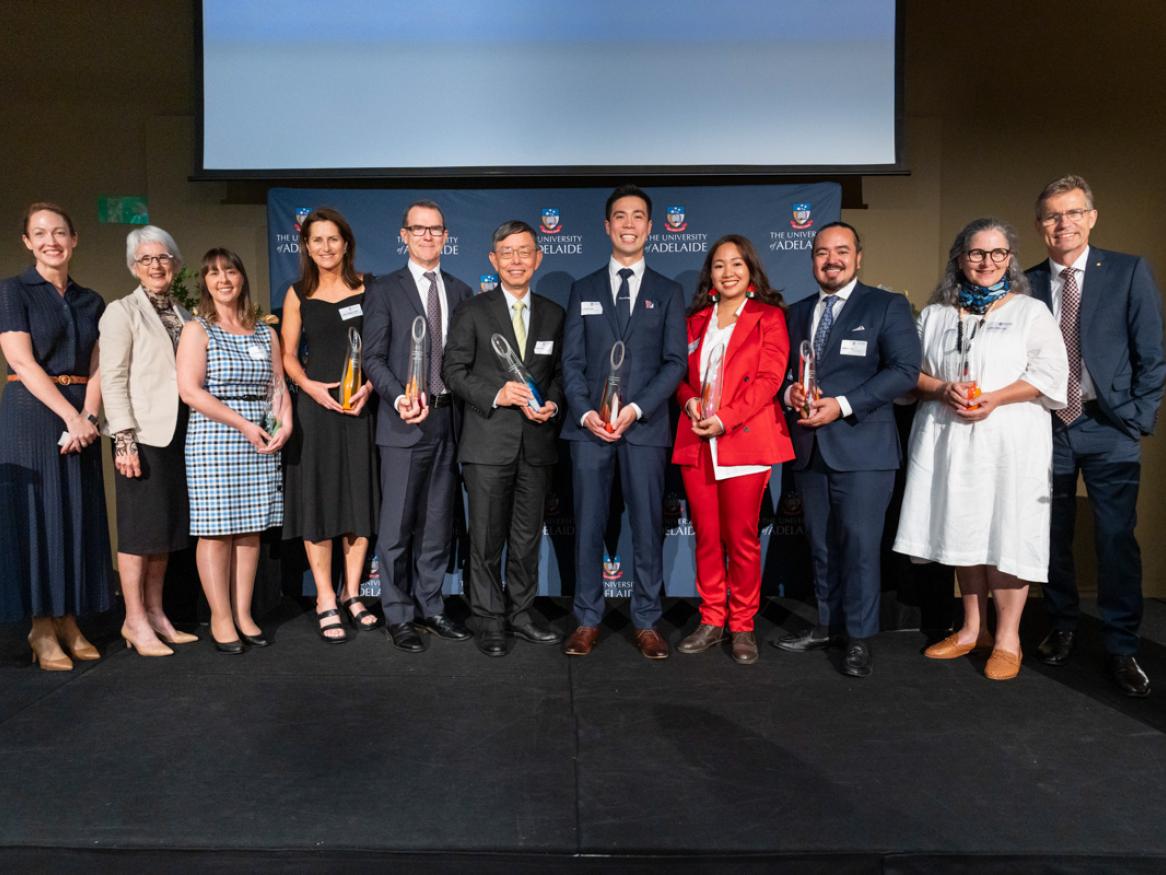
965 350
352 378
417 382
516 370
273 400
612 402
714 379
808 376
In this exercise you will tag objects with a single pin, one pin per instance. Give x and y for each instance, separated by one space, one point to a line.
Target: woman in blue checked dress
226 364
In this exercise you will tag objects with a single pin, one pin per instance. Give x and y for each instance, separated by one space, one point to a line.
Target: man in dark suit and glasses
508 449
417 440
867 354
1110 312
623 301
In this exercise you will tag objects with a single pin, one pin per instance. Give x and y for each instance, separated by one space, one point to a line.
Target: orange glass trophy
352 378
612 401
714 380
417 382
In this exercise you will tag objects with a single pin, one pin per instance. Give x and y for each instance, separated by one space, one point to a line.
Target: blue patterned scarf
977 299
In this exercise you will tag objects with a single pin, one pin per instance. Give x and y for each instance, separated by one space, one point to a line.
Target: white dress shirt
713 336
1056 290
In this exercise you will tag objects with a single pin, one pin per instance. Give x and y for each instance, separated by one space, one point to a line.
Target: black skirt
153 511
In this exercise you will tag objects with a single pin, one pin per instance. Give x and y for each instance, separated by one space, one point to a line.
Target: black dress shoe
443 627
814 638
1056 647
529 630
255 640
405 637
1128 675
856 663
491 642
230 648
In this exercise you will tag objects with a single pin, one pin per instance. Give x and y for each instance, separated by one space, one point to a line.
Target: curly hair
948 287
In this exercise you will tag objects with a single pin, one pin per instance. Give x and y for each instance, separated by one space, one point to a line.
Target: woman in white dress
980 454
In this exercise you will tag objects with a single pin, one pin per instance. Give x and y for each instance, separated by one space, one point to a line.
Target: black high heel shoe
255 640
230 648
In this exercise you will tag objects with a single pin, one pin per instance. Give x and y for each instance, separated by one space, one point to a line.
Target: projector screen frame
658 174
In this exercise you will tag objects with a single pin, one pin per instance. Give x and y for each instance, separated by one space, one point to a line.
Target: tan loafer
1002 665
950 648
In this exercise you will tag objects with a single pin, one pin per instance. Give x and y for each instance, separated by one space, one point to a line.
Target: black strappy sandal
323 630
357 620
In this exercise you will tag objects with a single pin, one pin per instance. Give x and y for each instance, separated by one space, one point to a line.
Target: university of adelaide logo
487 282
301 214
549 221
611 567
674 219
801 217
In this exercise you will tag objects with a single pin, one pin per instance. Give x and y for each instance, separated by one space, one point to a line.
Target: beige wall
99 98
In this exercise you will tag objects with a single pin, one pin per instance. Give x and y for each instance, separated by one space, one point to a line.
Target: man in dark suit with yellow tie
1110 312
509 440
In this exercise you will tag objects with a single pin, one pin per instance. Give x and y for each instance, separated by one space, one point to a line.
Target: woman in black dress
143 414
331 486
54 536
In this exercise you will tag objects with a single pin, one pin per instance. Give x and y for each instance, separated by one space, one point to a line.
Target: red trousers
728 551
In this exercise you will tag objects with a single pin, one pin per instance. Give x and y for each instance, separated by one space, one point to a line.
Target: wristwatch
91 417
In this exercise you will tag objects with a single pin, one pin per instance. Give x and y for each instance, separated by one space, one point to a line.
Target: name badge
591 308
693 346
544 347
351 312
853 347
258 353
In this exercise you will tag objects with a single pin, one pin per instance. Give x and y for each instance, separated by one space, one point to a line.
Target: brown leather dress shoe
581 641
950 648
651 645
702 638
744 648
1002 665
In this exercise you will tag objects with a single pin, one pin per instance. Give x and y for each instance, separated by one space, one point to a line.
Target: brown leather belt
59 379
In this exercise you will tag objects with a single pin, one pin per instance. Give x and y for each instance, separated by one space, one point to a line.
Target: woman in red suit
725 454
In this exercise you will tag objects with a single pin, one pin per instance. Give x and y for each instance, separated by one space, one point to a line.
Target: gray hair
514 226
1061 185
150 234
947 290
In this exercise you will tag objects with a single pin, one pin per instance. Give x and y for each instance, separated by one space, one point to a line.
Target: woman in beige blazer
147 421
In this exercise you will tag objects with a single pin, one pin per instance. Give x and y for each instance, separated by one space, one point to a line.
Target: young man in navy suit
624 300
1110 312
417 441
847 445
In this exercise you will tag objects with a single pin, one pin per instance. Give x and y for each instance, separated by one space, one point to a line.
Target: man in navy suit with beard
867 354
624 300
1110 312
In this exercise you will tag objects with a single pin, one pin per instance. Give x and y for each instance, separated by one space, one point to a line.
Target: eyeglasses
425 230
526 253
160 260
975 256
1074 216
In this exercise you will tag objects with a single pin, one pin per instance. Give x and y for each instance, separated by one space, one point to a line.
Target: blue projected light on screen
362 85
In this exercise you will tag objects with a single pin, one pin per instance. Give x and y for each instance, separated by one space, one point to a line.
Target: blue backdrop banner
780 220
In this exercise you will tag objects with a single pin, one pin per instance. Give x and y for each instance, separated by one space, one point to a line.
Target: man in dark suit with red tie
867 354
1110 312
623 301
417 438
509 441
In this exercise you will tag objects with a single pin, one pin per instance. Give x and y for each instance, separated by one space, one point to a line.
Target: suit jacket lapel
409 288
1041 283
1094 289
642 297
606 296
152 321
500 310
536 322
850 316
748 319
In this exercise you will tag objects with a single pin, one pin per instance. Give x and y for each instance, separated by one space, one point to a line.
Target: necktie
824 327
1071 332
623 300
436 348
520 328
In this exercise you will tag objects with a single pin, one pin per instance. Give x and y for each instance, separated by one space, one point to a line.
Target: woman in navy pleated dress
228 366
54 536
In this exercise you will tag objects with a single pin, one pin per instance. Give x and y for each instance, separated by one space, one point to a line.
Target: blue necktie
623 300
824 327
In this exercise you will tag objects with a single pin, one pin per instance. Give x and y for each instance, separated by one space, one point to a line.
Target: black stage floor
308 758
